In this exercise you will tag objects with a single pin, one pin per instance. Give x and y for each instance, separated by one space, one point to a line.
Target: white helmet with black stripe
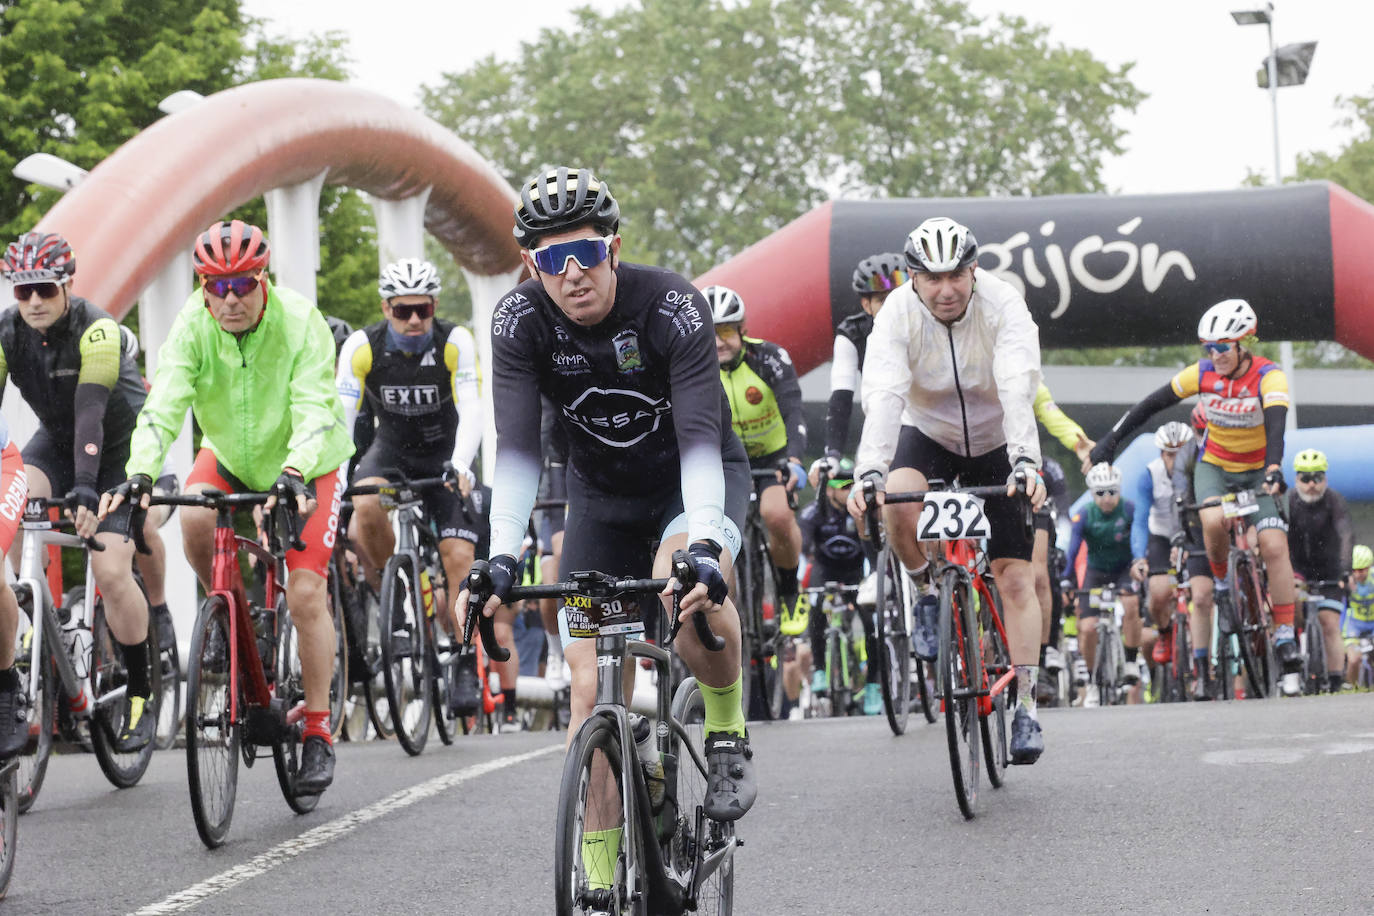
408 277
726 305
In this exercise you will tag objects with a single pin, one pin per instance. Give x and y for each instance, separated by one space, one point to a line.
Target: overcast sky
1205 123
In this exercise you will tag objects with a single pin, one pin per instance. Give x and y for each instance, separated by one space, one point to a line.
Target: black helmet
341 330
880 273
562 199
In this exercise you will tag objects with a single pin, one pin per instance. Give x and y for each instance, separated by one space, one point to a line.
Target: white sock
1026 676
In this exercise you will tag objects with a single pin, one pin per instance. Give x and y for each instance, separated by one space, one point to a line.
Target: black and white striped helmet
726 305
408 277
940 245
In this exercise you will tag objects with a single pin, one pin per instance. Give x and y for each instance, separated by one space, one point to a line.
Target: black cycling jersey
855 330
638 396
414 396
1320 537
830 537
85 390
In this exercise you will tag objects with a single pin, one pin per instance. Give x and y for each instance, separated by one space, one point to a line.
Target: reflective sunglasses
221 287
1315 477
1107 492
553 259
422 310
24 291
1214 347
878 283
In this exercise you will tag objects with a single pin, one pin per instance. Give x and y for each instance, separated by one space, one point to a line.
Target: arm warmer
1133 419
1275 418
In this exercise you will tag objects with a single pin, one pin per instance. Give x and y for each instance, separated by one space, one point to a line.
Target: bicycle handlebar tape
500 573
1095 270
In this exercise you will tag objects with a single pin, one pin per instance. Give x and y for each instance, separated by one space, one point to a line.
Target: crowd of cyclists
642 409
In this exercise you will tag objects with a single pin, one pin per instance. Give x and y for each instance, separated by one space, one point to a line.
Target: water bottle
650 760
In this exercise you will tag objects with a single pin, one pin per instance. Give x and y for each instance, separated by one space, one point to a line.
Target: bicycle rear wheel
338 684
169 711
42 687
443 654
405 656
922 680
213 736
996 663
290 689
1179 666
1252 630
961 677
9 824
716 894
108 675
894 643
589 805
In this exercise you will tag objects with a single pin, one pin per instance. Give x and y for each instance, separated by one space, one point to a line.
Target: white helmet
408 277
940 245
129 341
1173 435
1103 476
1231 319
726 305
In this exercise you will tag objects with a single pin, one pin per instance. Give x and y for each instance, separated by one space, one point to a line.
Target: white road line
327 833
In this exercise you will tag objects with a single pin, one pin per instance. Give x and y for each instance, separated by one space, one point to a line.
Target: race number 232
951 516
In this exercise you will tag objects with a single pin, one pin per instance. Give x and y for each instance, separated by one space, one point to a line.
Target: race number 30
951 516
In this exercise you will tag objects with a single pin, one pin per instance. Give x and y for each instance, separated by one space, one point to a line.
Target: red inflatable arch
146 202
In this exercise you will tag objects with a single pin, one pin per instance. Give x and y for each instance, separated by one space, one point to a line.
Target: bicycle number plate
950 517
590 617
35 517
1236 505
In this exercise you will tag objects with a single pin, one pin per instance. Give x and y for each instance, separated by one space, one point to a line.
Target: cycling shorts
54 460
451 516
321 528
14 490
768 462
1211 482
1010 539
1096 578
548 522
616 534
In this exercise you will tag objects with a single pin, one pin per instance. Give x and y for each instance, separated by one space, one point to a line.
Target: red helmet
230 248
1199 417
39 257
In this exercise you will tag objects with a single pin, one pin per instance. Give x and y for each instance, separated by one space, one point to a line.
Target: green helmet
844 474
1309 461
1361 557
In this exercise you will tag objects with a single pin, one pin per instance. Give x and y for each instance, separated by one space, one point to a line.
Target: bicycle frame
966 556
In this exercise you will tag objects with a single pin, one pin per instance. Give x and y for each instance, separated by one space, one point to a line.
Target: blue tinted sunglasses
1214 348
553 259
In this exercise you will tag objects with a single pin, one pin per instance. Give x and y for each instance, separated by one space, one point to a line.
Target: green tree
718 122
1353 167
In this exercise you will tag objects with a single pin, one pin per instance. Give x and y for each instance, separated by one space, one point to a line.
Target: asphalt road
1219 808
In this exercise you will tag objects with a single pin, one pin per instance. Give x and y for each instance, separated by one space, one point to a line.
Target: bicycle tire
923 691
108 674
960 671
890 613
290 688
996 663
213 736
1183 655
1251 630
834 670
441 670
169 711
406 671
572 897
338 682
717 894
9 826
1315 660
42 716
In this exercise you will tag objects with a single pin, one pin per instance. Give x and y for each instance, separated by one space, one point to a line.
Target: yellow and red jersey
1235 409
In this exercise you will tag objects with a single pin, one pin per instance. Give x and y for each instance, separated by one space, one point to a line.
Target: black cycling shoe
14 732
1202 689
166 632
139 724
1027 741
464 687
317 766
730 784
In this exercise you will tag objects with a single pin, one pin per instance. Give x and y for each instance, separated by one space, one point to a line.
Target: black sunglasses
1112 492
1318 477
24 291
422 310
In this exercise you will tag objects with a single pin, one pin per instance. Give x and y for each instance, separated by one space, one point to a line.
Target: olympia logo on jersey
617 417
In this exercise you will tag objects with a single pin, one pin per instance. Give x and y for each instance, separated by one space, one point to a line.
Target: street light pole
1274 94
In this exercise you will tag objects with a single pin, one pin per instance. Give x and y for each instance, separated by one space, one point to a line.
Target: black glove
450 473
1102 451
501 570
290 485
82 495
133 489
707 563
1275 477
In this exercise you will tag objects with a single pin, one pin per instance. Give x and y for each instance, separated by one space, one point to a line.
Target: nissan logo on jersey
615 416
410 400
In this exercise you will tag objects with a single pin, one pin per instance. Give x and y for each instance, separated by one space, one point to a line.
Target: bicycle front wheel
212 733
169 710
894 643
961 678
39 680
405 659
597 862
715 849
109 681
1252 629
922 680
993 726
9 824
290 687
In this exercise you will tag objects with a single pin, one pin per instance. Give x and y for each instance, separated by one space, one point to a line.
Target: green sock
600 849
724 712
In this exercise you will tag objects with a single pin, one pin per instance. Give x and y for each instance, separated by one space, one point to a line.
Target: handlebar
372 489
284 515
44 503
990 491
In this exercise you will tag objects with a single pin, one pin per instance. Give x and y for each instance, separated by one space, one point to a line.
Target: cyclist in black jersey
874 278
626 353
766 410
66 356
1320 541
417 374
